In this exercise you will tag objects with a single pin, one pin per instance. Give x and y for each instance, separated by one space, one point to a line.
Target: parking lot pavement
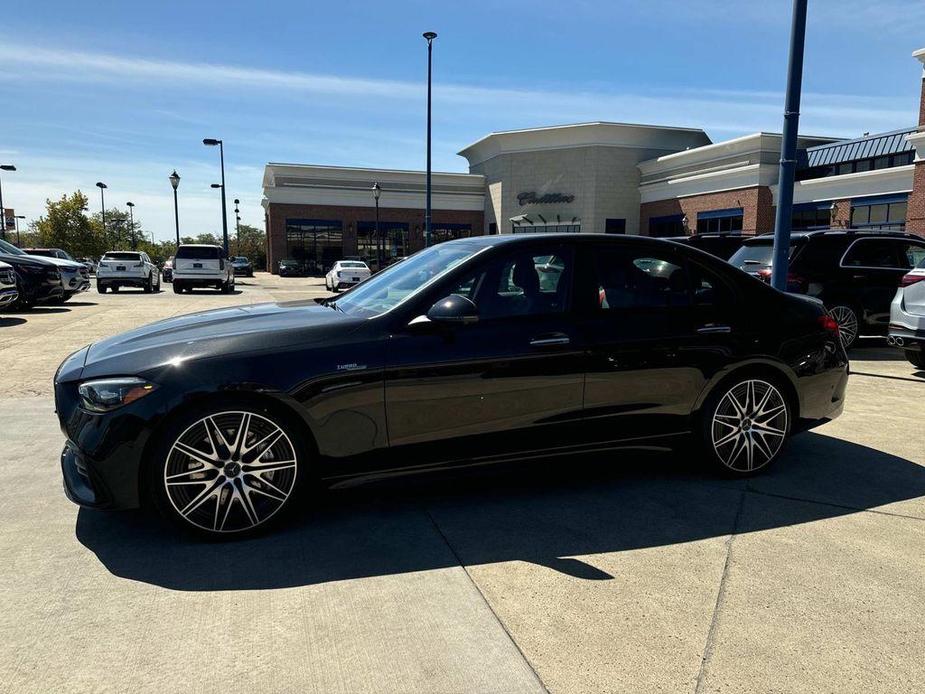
632 573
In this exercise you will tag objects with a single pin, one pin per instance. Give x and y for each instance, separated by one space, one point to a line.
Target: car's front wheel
229 472
847 321
745 424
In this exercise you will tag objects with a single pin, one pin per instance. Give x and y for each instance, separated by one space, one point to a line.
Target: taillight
911 278
828 323
794 282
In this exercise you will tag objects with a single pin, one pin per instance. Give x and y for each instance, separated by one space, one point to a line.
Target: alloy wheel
230 472
847 324
749 425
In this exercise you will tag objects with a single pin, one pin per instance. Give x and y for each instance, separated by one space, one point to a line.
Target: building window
545 228
394 241
860 165
720 220
316 243
447 232
886 212
615 226
812 215
668 225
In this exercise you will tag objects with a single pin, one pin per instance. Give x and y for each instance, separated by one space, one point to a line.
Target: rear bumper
110 280
199 280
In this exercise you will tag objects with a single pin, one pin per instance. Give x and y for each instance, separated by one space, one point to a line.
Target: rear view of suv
854 273
201 265
127 269
907 316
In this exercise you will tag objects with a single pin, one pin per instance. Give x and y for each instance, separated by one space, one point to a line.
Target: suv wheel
227 473
745 425
916 358
149 285
101 288
177 288
847 321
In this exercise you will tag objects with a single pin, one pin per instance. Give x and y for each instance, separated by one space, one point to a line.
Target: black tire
219 492
148 286
177 288
115 289
916 358
744 424
848 323
101 288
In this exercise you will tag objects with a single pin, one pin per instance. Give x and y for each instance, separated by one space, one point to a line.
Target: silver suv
202 265
127 269
907 316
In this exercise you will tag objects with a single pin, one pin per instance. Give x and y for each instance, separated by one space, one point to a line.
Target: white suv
201 265
127 269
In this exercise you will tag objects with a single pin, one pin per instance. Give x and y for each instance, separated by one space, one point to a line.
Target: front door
508 384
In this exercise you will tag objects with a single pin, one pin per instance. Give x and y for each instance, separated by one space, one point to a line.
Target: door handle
550 340
713 329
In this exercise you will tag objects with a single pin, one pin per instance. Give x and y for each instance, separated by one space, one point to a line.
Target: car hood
30 260
59 262
216 333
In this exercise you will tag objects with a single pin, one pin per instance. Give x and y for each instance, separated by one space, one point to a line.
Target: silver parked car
8 291
907 316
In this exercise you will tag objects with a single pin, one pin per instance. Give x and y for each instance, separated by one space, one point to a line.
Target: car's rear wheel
847 321
229 472
177 288
148 285
115 288
745 424
101 288
916 358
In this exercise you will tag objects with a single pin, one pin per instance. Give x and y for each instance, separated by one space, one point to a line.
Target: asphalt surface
628 573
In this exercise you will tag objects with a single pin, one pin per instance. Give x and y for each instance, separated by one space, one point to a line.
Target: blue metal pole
783 219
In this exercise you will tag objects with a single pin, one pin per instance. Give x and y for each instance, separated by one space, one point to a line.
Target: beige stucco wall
603 179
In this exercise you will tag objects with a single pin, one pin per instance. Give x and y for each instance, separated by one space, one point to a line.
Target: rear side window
873 253
639 278
913 254
198 252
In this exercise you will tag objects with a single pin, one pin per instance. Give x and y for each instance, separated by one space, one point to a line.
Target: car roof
835 233
199 245
527 238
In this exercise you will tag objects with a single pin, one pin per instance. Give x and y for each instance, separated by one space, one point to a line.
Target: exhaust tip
899 342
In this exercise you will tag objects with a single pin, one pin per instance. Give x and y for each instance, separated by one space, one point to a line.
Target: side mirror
454 309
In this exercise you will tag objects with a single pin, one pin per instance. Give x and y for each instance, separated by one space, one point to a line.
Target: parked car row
43 279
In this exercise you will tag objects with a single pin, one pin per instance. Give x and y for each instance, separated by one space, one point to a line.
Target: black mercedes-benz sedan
473 351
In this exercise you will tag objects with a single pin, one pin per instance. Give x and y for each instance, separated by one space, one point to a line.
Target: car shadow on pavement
9 321
545 512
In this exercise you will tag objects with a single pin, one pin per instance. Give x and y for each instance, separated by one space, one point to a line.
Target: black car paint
384 395
37 280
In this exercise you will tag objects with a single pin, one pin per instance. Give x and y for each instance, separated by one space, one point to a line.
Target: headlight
106 394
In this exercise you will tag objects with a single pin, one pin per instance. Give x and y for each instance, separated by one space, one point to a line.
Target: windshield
396 283
756 255
121 256
9 248
240 259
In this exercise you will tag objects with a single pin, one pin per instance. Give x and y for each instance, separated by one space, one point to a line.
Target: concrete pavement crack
475 585
720 597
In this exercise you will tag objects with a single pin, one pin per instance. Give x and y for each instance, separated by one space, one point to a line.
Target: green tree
253 245
66 225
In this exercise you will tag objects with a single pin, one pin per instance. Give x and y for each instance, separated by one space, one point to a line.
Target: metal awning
525 219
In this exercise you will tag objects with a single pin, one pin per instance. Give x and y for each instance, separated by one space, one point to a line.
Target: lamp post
102 186
4 167
237 222
131 216
211 142
17 218
175 182
429 36
377 191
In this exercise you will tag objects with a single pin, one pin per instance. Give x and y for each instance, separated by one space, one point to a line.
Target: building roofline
369 169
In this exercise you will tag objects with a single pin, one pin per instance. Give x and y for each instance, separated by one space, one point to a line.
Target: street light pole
784 215
237 222
377 190
175 182
102 186
4 167
131 215
211 142
17 218
429 36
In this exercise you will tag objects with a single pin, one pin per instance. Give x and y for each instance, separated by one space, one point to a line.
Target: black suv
855 273
720 244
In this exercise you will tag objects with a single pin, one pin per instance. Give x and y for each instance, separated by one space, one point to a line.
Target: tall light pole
788 155
102 186
377 191
211 142
175 182
17 218
4 167
131 216
237 222
429 36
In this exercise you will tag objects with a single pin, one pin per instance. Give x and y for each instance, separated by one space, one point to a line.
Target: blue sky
124 92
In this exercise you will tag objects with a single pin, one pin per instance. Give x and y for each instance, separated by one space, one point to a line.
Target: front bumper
243 271
79 486
8 296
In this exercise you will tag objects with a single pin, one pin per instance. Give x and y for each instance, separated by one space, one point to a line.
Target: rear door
874 268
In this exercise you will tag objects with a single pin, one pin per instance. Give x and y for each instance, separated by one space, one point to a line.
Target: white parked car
127 269
346 273
202 265
907 316
75 276
8 291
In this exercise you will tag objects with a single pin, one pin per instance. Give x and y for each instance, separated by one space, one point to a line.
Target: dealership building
611 178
